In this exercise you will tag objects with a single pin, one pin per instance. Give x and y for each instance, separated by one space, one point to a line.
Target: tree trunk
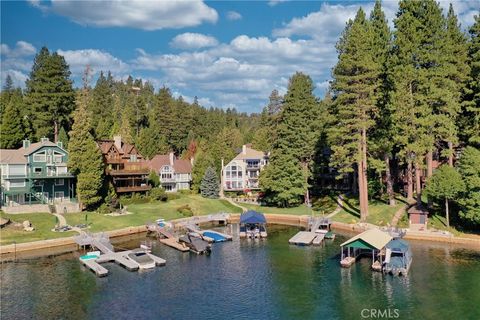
450 154
55 131
307 193
388 177
429 160
446 212
362 177
355 182
409 182
418 183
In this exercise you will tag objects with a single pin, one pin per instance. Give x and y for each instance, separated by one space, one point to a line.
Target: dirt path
338 208
236 204
398 215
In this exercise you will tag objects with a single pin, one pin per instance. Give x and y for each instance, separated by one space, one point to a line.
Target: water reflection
266 279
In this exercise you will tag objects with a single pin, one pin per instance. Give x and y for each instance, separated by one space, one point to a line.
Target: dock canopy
398 246
370 239
252 217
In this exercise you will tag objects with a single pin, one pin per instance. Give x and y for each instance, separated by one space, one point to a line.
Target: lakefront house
35 178
125 167
175 174
243 172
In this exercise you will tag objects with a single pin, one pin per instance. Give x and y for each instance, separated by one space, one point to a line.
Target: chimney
170 157
26 143
43 140
244 149
118 142
60 144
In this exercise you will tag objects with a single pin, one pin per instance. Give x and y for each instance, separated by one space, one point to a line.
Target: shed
370 242
418 216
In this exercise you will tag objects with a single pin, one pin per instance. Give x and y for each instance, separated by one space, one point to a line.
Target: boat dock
306 238
167 237
208 235
102 243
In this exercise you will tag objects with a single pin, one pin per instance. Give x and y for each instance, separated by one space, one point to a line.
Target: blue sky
228 53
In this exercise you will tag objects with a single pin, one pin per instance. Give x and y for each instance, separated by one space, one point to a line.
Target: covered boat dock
369 243
252 225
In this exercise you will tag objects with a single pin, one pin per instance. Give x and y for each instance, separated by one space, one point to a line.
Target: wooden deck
173 242
303 238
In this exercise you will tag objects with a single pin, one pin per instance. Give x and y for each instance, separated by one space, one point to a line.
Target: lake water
245 279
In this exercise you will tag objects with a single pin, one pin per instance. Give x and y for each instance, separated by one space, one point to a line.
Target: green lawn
141 214
379 212
42 222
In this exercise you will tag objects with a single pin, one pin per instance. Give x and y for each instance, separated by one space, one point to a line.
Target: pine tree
85 158
355 82
283 181
446 184
63 138
13 130
469 168
471 113
381 144
102 107
150 142
202 161
210 185
50 96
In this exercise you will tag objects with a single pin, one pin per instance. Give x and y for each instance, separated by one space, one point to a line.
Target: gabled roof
373 237
249 154
37 145
179 165
12 156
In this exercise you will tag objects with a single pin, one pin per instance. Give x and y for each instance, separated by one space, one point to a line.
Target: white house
243 171
175 174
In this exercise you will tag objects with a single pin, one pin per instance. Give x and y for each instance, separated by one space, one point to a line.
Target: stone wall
25 208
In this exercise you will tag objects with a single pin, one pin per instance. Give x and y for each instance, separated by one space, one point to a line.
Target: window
57 157
61 170
40 157
16 170
234 172
133 158
17 183
59 195
37 170
168 187
59 182
166 172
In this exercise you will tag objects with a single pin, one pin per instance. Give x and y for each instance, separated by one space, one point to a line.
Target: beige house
175 174
243 172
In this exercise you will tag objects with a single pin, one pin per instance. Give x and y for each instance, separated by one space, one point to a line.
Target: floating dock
306 238
172 242
168 239
102 243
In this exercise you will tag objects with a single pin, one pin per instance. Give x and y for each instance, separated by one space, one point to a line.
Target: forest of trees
400 101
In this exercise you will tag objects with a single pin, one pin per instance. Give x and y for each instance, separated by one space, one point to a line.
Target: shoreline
67 244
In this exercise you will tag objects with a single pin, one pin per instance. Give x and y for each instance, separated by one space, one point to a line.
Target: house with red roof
175 174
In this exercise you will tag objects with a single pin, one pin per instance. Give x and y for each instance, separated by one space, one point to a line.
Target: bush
172 196
158 194
187 192
136 198
105 208
185 210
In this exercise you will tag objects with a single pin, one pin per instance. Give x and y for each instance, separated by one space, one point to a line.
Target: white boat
141 257
92 255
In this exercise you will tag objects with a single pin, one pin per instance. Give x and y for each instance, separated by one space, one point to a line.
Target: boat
325 228
398 257
252 225
196 245
92 255
330 235
146 247
141 257
215 236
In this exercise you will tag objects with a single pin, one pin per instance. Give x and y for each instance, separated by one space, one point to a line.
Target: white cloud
21 49
233 15
273 3
140 14
18 77
97 60
193 41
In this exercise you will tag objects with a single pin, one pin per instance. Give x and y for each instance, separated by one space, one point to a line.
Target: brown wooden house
125 167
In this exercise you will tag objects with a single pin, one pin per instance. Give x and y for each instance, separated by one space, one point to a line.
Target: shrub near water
185 210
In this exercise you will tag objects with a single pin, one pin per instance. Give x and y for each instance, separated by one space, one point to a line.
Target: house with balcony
125 167
35 177
243 172
175 174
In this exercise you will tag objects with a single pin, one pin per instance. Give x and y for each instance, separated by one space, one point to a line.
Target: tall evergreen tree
150 142
13 130
49 94
202 161
354 86
85 158
101 106
210 185
469 168
471 113
63 138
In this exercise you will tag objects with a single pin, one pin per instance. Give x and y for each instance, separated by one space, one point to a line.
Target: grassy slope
141 214
323 205
379 212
